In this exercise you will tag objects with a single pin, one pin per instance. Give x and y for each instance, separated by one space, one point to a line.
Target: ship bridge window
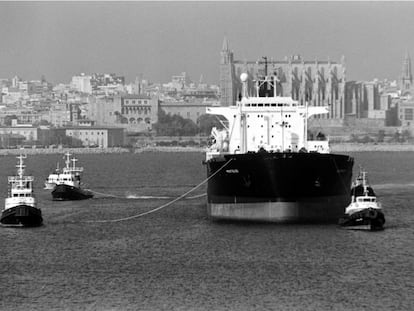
273 105
259 105
254 105
267 105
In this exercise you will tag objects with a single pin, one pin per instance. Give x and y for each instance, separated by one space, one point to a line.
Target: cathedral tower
227 88
406 81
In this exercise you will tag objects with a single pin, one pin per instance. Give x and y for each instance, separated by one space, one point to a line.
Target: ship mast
67 161
243 78
20 169
305 129
364 183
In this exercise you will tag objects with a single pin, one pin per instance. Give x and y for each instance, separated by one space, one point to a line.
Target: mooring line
162 206
197 196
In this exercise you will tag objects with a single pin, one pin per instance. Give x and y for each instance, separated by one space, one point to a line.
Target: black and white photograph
206 155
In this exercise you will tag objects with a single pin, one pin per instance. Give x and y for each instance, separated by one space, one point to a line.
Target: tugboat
263 167
68 185
364 212
52 179
20 206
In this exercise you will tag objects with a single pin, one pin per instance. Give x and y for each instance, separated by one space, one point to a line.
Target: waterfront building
99 80
191 109
11 140
82 83
140 111
138 86
406 114
34 87
29 132
365 104
22 115
93 136
15 81
11 95
133 112
58 114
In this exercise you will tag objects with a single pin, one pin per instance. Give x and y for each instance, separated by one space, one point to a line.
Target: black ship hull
279 187
369 219
67 193
22 215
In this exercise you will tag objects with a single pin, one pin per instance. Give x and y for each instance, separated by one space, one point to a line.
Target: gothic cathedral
320 83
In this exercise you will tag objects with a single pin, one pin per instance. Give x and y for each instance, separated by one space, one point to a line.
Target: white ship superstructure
274 123
52 179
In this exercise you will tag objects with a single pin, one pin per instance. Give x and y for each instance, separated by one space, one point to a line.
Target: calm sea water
177 259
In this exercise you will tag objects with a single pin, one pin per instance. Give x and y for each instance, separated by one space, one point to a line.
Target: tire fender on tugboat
372 213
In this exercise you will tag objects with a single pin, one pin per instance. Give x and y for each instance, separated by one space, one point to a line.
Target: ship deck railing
16 179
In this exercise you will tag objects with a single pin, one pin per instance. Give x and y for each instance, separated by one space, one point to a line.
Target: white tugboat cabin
71 173
20 188
20 204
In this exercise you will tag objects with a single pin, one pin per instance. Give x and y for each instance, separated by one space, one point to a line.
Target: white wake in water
146 197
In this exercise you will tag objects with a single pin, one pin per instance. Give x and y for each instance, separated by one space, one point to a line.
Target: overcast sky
160 39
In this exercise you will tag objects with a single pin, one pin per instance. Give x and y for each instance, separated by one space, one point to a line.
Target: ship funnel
244 77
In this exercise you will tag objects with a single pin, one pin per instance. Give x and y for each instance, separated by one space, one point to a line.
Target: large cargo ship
263 167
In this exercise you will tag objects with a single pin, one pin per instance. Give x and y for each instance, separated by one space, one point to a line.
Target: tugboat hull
23 215
368 219
279 187
64 192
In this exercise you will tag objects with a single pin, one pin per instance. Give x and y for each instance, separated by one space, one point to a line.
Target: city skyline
161 39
